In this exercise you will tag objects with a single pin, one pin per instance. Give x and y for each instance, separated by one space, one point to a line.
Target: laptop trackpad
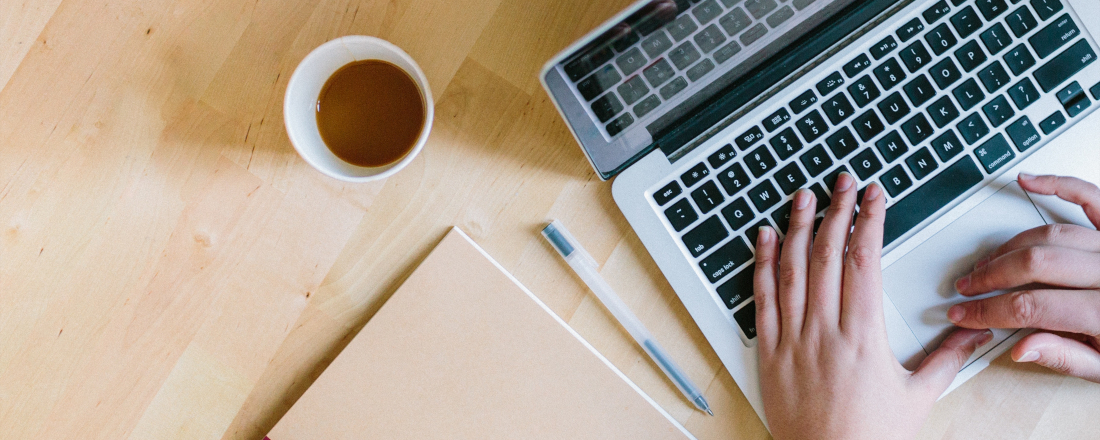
922 283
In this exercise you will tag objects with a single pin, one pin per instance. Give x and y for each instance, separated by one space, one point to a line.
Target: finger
1070 189
1076 311
1059 235
794 262
1063 355
937 370
862 283
1055 266
827 255
764 288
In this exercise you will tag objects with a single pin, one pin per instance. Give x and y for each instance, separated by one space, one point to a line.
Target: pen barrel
672 371
629 321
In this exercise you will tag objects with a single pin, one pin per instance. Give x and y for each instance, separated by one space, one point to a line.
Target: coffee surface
370 113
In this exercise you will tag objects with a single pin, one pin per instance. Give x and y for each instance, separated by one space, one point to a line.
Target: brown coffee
370 113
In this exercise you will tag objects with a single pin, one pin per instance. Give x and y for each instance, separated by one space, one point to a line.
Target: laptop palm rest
922 283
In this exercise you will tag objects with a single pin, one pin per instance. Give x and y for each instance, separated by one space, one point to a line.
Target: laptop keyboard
929 112
640 72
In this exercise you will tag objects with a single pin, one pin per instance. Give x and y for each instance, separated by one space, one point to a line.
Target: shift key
1066 64
726 259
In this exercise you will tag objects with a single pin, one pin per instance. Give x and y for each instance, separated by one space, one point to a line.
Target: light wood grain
170 268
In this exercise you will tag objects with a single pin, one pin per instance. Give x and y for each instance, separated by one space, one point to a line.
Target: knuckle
1052 232
863 256
1033 259
790 275
1025 308
825 253
1058 360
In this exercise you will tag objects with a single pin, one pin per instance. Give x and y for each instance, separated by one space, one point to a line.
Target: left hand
826 368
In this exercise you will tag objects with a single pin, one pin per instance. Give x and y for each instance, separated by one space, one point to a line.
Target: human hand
1063 262
826 368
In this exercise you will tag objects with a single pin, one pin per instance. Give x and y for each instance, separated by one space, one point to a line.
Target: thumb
937 370
1063 355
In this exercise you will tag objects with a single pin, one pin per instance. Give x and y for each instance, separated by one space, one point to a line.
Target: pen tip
710 412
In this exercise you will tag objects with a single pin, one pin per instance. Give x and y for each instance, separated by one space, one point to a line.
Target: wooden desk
170 268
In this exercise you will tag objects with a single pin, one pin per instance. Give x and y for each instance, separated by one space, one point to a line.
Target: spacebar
929 198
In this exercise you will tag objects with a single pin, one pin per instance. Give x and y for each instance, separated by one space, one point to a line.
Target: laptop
710 115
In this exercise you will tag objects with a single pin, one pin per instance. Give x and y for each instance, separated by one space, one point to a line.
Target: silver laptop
713 113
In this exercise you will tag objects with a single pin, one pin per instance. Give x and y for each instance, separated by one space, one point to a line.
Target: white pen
585 267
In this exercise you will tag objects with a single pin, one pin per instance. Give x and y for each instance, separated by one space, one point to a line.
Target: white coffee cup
300 103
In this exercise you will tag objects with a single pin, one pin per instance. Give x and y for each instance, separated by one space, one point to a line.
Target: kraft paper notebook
463 351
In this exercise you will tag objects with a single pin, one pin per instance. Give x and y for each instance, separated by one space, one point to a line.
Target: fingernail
1026 176
1030 356
802 199
981 263
956 313
962 284
986 337
873 191
843 182
765 235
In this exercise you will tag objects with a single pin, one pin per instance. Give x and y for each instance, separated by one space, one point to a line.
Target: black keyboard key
786 144
748 138
998 111
1023 134
812 126
968 94
936 193
1046 8
659 73
994 153
707 11
867 125
947 146
671 89
866 164
1023 93
915 56
917 129
606 107
647 105
598 82
754 33
633 90
722 156
764 196
699 70
704 236
760 8
801 4
695 175
889 74
803 101
667 193
1054 36
782 217
893 108
737 214
830 83
1021 21
619 124
921 163
842 143
972 128
863 91
780 16
681 214
970 55
936 12
966 22
1095 91
1073 99
883 47
588 62
891 146
816 160
726 52
625 41
837 108
790 178
940 39
945 73
990 9
738 289
733 179
777 119
859 64
994 77
726 259
746 319
1053 122
707 197
684 55
656 44
996 39
919 90
735 22
710 38
943 111
910 29
1019 59
753 232
1064 65
896 181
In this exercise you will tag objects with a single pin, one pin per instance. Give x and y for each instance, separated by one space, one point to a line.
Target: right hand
1063 261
